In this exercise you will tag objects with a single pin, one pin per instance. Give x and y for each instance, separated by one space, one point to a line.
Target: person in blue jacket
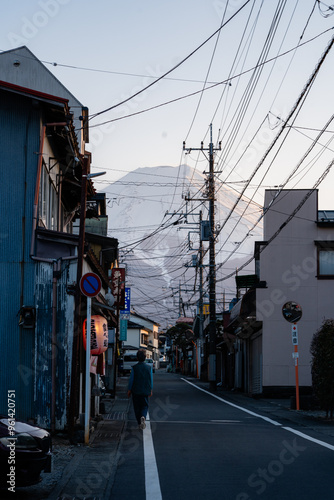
140 387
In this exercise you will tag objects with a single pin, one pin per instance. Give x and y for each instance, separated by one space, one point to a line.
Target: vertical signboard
118 286
125 313
123 329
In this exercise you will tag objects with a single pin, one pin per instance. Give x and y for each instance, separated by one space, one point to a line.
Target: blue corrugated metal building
42 151
30 283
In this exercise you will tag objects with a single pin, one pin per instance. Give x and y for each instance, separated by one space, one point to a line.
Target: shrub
322 351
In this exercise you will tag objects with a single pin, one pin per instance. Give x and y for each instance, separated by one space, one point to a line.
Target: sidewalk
90 472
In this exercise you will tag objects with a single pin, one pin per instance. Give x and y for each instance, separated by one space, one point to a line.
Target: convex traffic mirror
292 312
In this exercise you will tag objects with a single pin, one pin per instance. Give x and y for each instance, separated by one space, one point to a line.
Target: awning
243 321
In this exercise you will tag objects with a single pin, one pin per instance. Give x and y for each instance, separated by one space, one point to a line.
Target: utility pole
212 271
77 336
212 262
181 303
180 300
200 304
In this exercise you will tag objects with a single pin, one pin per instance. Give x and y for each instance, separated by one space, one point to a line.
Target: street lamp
90 176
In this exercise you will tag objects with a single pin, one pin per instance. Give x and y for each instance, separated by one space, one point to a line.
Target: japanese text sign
118 286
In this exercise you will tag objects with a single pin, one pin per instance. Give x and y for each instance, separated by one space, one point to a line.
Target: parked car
152 363
129 361
25 451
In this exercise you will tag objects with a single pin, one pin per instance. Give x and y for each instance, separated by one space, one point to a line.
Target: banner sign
125 313
123 329
118 286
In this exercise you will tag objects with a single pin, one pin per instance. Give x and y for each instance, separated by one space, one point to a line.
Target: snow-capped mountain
158 232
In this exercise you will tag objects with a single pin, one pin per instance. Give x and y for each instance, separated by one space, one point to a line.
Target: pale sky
125 43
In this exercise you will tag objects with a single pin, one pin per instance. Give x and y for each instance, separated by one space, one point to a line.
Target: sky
105 52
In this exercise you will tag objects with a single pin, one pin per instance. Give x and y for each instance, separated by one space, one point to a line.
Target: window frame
48 201
322 247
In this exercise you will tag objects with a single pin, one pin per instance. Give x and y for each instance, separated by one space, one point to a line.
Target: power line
174 67
223 82
291 216
291 113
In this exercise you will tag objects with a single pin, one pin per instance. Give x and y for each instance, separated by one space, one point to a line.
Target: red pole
297 378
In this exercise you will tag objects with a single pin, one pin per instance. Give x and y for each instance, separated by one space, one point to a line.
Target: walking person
140 387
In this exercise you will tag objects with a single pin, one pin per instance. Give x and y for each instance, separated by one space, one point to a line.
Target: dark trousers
140 406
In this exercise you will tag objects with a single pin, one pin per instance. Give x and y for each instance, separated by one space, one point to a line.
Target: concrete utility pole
200 304
77 335
181 303
212 262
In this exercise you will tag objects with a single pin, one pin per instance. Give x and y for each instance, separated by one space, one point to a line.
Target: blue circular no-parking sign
90 284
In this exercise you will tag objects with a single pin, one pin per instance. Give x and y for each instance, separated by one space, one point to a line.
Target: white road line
226 421
203 422
301 434
309 438
152 483
232 404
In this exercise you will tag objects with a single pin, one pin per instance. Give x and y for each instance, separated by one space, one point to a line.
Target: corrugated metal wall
19 142
43 347
65 327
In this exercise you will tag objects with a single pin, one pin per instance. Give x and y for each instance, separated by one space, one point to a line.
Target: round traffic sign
90 284
292 312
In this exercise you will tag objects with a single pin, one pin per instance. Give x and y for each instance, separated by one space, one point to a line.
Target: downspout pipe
56 268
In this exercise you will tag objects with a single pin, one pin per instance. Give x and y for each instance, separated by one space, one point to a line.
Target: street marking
192 422
152 483
309 438
232 404
226 421
289 429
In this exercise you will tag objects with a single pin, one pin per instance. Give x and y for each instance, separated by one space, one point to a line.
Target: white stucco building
142 332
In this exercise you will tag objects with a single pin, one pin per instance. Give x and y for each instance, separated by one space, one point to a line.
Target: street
198 446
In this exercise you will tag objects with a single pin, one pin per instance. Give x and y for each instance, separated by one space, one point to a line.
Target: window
48 202
325 259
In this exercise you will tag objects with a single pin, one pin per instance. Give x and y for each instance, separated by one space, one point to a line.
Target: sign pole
90 285
87 385
297 376
295 355
292 312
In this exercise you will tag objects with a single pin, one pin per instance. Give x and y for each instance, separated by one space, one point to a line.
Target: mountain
158 234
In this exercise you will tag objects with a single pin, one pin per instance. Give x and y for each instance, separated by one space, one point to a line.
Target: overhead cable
174 67
207 88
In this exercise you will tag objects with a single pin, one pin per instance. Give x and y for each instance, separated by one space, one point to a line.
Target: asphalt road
197 446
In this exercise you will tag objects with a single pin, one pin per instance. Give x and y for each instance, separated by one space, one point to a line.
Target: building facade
41 310
143 333
294 263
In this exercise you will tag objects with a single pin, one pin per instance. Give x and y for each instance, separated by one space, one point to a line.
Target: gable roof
21 67
136 315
